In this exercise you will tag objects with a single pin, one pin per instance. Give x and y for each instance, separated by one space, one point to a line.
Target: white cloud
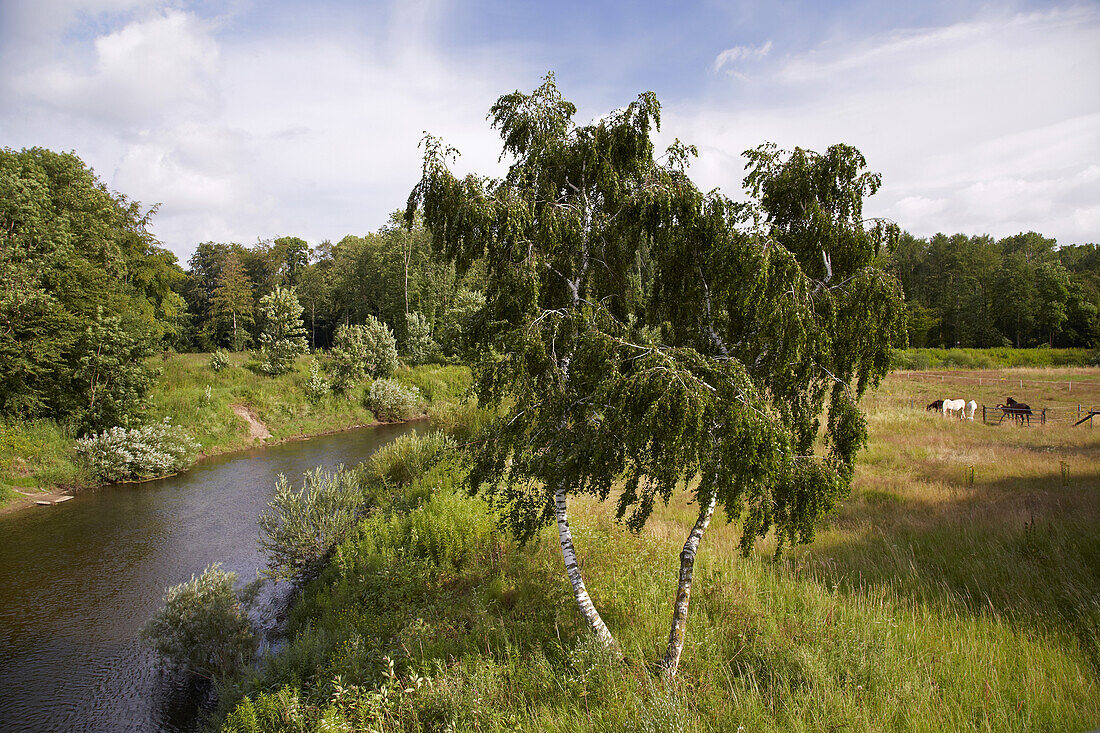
312 135
740 53
987 126
151 70
991 126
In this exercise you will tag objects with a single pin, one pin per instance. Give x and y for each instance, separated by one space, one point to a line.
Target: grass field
929 602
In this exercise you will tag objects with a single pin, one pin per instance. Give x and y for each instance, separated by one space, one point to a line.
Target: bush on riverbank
204 625
390 402
149 451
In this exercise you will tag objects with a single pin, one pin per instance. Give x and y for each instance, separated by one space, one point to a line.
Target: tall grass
927 604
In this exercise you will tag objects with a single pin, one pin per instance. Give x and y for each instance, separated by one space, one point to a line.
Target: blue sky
248 120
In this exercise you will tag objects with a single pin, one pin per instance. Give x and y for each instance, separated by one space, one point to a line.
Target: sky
247 120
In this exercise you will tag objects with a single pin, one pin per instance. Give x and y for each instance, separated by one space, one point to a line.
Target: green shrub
992 358
300 528
407 458
360 351
219 360
204 625
420 347
390 402
316 386
272 712
463 421
120 454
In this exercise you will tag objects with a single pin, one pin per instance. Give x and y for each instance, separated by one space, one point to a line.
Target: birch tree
641 336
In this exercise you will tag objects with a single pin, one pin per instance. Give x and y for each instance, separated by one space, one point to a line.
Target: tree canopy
86 292
640 334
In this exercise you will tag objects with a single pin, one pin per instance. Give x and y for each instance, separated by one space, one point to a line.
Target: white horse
955 407
971 406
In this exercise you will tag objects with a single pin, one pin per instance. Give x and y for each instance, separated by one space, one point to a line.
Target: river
79 580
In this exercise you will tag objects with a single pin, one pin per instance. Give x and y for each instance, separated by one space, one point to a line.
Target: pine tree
284 337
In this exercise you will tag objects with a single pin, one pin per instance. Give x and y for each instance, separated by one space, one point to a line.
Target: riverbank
38 458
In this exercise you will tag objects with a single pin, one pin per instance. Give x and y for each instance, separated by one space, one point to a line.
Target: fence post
983 415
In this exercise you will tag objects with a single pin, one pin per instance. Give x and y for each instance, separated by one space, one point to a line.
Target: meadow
958 588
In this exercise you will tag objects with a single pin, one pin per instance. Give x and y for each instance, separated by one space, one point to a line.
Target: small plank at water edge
52 501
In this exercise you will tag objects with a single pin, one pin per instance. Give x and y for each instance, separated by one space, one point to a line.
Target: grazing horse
937 406
971 407
955 407
1018 411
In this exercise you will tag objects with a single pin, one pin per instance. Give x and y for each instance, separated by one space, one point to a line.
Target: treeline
976 291
87 294
389 275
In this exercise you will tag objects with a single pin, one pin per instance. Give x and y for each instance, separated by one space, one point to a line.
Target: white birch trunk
580 593
671 661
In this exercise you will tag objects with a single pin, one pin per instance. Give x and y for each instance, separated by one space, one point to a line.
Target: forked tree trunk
671 661
580 593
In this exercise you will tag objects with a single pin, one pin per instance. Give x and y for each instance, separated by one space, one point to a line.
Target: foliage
82 283
231 305
420 347
464 421
121 454
1023 290
204 626
360 351
640 333
301 527
283 338
316 386
114 372
406 458
219 360
390 402
462 315
836 636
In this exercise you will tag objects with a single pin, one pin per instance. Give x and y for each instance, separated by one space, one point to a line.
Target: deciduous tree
642 336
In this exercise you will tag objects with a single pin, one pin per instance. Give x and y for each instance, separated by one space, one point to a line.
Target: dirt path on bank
256 428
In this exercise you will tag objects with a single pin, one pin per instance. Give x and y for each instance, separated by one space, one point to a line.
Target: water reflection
78 581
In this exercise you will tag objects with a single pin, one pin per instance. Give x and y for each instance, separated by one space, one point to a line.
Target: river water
79 580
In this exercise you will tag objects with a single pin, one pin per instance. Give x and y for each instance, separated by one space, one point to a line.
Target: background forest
87 293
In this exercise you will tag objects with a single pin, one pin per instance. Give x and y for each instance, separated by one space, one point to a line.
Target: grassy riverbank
38 456
927 603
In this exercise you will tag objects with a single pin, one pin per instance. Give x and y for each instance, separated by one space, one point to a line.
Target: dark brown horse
1018 411
937 406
